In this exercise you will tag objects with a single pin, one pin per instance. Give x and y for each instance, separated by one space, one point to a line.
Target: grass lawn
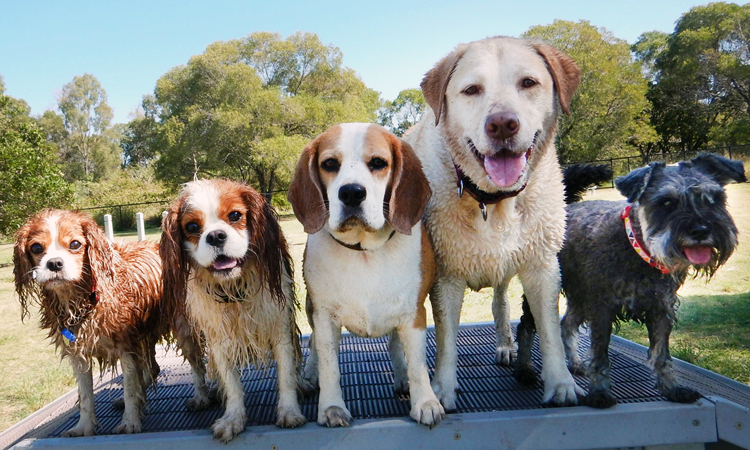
713 329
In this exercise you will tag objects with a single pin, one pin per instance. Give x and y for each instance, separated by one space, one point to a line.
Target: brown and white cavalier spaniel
226 261
101 301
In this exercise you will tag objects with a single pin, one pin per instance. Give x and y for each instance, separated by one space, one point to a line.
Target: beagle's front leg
332 411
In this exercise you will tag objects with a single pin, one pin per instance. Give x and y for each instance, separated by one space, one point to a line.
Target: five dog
483 176
359 192
626 260
490 135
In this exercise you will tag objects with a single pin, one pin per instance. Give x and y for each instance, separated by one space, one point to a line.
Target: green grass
713 330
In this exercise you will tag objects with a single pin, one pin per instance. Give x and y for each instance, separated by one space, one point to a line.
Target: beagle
360 193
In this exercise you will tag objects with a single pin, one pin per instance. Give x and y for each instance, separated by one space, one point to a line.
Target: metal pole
108 227
139 225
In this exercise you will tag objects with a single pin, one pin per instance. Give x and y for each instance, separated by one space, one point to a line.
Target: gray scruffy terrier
626 260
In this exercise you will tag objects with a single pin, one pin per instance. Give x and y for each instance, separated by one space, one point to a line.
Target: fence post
163 217
139 225
108 227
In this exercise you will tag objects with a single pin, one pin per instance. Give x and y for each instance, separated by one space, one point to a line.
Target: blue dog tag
68 335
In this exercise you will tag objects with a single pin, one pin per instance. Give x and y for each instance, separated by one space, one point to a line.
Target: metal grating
366 379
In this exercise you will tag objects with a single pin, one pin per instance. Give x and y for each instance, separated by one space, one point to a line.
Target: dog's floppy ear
635 183
565 73
721 169
22 269
435 82
305 191
99 254
410 190
175 267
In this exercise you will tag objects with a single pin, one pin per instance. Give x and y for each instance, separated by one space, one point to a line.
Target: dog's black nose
55 264
352 194
216 238
700 232
502 125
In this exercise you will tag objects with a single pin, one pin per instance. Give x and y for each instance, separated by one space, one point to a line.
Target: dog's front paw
682 394
290 418
119 404
577 368
505 355
334 416
228 426
600 398
428 412
308 382
525 374
401 388
446 395
128 427
562 394
81 429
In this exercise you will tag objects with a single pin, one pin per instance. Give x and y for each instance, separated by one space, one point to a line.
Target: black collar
464 183
358 245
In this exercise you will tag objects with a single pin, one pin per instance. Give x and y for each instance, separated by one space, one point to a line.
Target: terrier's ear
721 169
635 183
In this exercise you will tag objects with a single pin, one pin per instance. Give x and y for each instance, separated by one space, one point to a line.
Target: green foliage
245 108
90 148
609 98
403 112
700 92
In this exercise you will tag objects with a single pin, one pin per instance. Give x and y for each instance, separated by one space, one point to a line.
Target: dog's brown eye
330 165
192 228
377 164
74 245
471 90
36 249
528 82
234 216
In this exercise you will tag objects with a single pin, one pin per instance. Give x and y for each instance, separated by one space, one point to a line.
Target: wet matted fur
227 265
494 106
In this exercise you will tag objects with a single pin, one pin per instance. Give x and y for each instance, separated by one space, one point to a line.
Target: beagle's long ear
435 82
306 193
175 267
99 254
23 268
410 190
565 73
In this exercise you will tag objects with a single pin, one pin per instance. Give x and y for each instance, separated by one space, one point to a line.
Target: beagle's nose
352 194
216 238
502 125
55 264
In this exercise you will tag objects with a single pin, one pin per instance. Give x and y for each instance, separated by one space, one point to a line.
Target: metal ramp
494 411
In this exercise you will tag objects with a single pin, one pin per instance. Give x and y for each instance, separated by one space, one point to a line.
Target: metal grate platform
367 378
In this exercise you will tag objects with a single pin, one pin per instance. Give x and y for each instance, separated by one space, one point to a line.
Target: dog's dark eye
377 164
528 82
667 203
193 228
36 249
234 216
471 90
330 165
74 245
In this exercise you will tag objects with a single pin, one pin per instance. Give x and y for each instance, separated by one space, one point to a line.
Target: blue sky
128 44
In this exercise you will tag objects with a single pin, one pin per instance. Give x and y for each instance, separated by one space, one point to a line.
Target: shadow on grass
712 332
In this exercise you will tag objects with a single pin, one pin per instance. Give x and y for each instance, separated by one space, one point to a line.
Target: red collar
637 246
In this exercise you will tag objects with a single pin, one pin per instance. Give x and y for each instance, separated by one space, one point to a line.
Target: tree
236 109
609 98
700 92
29 177
403 112
89 152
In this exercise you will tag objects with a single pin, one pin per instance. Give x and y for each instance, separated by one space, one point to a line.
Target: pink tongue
225 263
698 255
504 167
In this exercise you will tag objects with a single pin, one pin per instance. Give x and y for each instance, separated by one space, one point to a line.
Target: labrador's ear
435 82
565 73
410 190
306 193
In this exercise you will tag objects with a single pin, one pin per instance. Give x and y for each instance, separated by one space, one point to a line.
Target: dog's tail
578 177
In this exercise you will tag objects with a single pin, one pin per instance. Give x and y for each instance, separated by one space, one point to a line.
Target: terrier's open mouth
505 167
700 255
224 263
